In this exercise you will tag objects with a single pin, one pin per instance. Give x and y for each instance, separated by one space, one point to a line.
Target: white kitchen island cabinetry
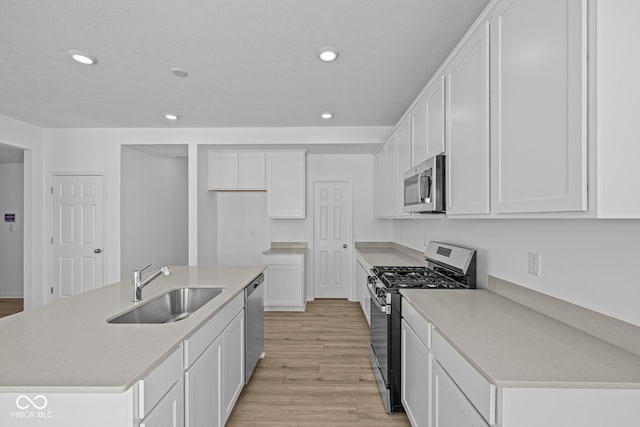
170 410
286 172
236 170
284 282
416 369
214 376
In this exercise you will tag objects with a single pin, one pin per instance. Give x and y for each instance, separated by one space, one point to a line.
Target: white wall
591 263
11 234
243 228
29 138
154 216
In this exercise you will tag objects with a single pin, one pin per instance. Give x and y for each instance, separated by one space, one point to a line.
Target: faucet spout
138 283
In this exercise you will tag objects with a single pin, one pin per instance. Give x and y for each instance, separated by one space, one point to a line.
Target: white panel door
332 239
428 123
538 115
467 135
233 362
78 234
202 389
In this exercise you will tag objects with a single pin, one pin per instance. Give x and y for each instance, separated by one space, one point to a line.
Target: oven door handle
374 298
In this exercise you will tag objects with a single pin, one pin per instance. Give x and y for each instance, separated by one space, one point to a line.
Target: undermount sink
169 307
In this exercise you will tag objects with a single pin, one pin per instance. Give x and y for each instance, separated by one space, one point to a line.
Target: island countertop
68 346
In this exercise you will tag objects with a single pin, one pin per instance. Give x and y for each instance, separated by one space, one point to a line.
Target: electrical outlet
534 264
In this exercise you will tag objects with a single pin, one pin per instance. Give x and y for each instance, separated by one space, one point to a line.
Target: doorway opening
11 230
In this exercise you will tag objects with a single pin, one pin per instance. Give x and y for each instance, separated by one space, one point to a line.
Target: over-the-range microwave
424 186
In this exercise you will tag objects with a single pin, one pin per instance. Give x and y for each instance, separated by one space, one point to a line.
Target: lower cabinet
169 412
284 283
362 287
215 379
416 377
450 406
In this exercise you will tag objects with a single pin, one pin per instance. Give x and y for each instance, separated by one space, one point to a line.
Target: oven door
380 346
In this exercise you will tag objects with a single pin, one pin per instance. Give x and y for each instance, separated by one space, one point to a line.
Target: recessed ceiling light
326 115
179 72
170 116
82 57
328 54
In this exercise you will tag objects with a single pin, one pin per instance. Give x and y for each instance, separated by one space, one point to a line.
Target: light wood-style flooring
10 306
316 372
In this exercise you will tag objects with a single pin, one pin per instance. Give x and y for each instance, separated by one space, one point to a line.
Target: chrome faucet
138 283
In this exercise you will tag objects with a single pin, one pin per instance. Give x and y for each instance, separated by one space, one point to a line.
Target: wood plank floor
316 372
10 306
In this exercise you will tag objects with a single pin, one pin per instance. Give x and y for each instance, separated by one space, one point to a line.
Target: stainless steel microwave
424 186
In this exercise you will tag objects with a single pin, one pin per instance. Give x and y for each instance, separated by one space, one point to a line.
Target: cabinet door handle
97 251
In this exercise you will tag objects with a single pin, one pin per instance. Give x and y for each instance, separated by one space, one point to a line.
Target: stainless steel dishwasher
254 325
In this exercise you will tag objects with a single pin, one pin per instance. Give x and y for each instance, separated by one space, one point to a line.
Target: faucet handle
143 268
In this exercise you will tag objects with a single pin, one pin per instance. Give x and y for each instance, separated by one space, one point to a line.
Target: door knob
344 246
97 251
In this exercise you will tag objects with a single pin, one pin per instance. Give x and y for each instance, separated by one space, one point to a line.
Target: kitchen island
64 363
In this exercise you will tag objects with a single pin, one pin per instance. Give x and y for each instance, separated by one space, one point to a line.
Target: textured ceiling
251 62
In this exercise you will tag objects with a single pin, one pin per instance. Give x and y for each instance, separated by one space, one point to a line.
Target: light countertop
389 254
514 346
287 248
68 346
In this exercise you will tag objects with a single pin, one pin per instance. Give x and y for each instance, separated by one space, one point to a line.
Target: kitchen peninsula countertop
514 346
389 254
287 248
68 346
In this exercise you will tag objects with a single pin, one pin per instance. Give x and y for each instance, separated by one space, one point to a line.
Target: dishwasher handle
255 284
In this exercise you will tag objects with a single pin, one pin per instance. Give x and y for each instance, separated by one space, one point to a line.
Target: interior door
332 239
78 234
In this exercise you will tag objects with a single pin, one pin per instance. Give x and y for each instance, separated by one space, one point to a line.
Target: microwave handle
428 189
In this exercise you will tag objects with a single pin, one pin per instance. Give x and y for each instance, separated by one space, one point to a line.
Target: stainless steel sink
172 306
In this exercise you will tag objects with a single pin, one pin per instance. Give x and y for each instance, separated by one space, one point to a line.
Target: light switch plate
534 264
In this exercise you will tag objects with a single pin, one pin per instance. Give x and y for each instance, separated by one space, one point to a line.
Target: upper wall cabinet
236 170
467 129
403 164
428 123
538 106
286 184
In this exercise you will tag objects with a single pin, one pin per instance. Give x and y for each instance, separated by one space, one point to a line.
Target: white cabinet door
428 123
538 106
379 184
170 410
416 377
286 184
467 133
403 164
232 379
362 283
202 388
223 170
251 171
284 283
391 159
450 407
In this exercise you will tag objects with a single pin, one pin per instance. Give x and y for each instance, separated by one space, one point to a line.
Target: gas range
446 267
414 278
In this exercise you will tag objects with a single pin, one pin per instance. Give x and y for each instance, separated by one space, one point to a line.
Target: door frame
47 296
312 271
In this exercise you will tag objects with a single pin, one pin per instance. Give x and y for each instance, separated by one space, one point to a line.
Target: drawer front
197 343
156 384
418 323
478 390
